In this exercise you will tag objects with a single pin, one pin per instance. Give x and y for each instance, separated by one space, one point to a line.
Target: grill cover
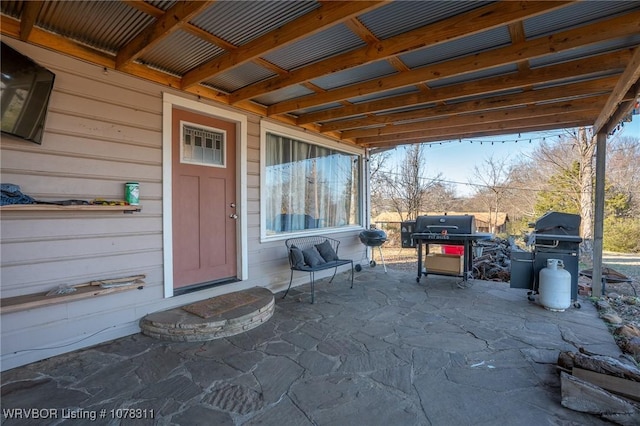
455 224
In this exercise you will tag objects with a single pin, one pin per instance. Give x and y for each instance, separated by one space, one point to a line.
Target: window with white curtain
309 186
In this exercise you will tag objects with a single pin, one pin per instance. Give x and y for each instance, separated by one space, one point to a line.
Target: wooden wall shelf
82 291
55 207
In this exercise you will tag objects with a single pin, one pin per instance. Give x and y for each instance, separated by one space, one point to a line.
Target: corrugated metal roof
575 15
568 98
11 8
402 16
382 95
412 108
355 117
238 77
593 76
283 94
354 75
257 17
105 25
586 51
460 47
180 52
318 46
485 73
577 79
162 4
110 25
483 96
317 108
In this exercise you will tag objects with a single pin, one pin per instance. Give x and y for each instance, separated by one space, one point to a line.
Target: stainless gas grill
555 235
457 230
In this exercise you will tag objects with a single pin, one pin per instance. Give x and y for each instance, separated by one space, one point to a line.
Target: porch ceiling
370 73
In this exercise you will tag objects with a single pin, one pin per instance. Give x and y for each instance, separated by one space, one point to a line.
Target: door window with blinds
202 145
308 186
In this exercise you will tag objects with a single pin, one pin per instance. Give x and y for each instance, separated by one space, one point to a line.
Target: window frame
280 130
184 123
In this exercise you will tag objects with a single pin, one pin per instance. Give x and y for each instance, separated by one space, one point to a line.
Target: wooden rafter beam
11 28
169 22
621 26
145 7
559 93
358 28
517 33
28 18
625 108
466 24
471 131
542 75
328 14
483 118
492 108
207 36
629 77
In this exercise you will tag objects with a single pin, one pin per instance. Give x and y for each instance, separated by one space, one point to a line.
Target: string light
503 141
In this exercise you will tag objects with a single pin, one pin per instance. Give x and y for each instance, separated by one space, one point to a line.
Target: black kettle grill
372 238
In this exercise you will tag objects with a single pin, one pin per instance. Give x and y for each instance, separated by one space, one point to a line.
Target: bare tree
377 163
493 177
441 197
575 149
523 180
586 146
405 187
623 169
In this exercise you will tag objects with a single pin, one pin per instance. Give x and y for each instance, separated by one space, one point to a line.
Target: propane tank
555 286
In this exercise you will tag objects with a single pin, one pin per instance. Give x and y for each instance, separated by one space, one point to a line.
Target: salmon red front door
204 204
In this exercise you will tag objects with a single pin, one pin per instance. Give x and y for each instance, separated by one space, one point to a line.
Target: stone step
213 318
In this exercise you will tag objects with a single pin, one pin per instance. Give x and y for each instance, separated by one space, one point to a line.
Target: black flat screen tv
24 95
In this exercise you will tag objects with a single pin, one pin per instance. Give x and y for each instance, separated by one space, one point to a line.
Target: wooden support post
598 216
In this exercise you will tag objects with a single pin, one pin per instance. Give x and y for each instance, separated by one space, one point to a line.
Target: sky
456 160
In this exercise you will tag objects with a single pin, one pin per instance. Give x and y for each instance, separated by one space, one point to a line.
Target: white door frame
168 102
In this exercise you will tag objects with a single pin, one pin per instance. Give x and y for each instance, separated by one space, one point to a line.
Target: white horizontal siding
104 129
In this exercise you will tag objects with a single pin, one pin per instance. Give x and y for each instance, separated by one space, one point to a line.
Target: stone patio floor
389 351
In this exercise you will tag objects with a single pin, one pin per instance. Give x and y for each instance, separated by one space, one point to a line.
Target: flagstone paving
387 352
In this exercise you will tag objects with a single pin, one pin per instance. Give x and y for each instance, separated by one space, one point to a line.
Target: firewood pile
495 262
600 385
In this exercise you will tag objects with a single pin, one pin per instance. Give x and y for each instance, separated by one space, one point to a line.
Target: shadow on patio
387 352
